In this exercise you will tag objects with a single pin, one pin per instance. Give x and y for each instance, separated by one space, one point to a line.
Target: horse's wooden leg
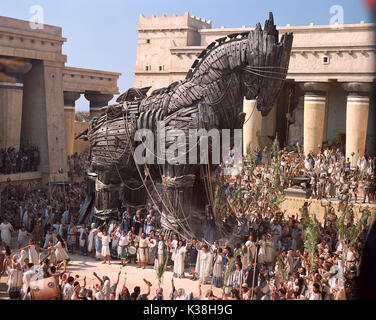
177 200
107 190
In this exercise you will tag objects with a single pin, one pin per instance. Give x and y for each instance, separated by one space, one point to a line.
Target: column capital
98 97
17 72
357 88
315 88
98 101
71 97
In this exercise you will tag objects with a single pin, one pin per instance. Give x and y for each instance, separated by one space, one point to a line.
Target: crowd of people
24 160
77 164
272 255
329 173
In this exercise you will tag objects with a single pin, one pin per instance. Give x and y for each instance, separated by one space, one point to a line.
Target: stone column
356 119
11 109
315 101
269 123
97 101
252 125
69 114
43 118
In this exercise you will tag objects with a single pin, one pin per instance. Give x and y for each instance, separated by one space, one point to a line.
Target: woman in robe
237 277
115 236
204 264
262 250
192 258
33 255
179 260
47 239
61 253
6 232
210 225
15 281
22 237
269 251
173 245
52 253
152 244
22 257
159 252
218 269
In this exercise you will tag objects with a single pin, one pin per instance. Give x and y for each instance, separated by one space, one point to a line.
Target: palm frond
163 266
230 267
311 239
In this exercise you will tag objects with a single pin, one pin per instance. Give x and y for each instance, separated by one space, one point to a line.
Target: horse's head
267 65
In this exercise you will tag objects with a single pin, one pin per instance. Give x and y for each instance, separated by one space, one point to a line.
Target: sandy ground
130 275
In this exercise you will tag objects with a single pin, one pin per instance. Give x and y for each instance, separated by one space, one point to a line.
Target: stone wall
292 206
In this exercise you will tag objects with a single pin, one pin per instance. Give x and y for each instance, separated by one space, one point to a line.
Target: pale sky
102 33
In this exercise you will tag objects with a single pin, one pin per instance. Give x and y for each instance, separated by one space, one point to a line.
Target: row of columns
315 108
97 101
357 110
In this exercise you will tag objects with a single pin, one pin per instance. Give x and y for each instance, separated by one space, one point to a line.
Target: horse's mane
211 47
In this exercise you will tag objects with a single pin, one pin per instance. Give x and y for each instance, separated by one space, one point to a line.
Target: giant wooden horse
250 64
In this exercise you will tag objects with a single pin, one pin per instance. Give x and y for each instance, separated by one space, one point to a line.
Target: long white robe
174 245
33 255
6 234
179 261
60 252
204 266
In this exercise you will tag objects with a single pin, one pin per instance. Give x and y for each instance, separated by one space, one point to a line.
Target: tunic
143 250
105 246
123 245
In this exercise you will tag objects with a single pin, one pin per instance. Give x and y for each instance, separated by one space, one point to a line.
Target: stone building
326 96
33 110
